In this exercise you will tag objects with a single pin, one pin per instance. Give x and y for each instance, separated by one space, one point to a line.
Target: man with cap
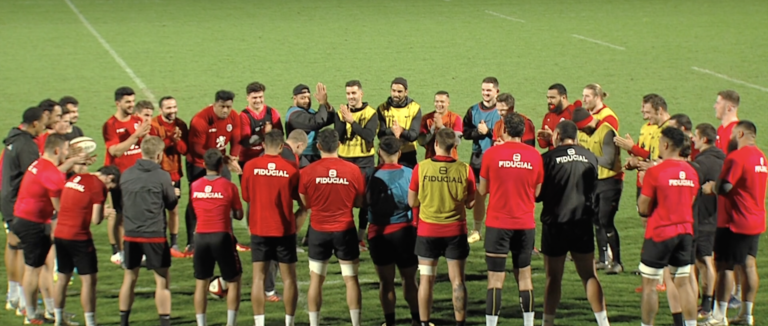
400 116
302 116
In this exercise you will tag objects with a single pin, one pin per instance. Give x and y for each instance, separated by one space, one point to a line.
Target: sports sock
548 320
22 297
258 320
690 322
165 320
114 249
90 319
722 311
706 303
174 239
677 319
288 320
493 302
200 319
526 304
314 318
491 320
232 317
13 290
528 318
424 323
737 292
642 324
270 293
602 318
58 314
747 308
389 318
354 315
31 311
48 302
461 323
124 317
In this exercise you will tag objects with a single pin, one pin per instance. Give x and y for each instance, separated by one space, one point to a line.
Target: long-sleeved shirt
552 118
206 131
309 120
174 149
357 138
147 193
407 115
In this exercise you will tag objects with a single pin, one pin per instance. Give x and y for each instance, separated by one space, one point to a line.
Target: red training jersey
41 182
450 120
270 185
80 193
512 171
529 135
672 186
174 149
745 168
206 131
248 153
724 136
330 187
115 132
551 119
213 200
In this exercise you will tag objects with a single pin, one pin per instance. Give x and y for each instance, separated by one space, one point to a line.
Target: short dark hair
677 139
443 93
54 141
255 87
507 99
656 101
354 83
163 99
224 95
446 139
730 96
328 140
747 126
48 104
390 145
64 111
682 120
560 88
111 170
123 92
31 115
144 105
514 123
274 138
567 129
213 159
400 81
491 80
707 131
64 101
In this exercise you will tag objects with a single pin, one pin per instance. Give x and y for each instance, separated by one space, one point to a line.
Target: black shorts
394 248
158 254
476 171
307 159
675 252
722 246
279 249
216 248
741 246
704 241
519 242
408 159
117 199
559 239
323 245
35 239
80 254
452 248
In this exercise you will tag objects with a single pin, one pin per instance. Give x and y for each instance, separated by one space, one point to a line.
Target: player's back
80 193
443 186
746 169
269 185
213 198
387 195
41 182
330 187
673 186
568 190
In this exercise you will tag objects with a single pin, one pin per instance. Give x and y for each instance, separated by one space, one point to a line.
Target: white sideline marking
111 51
598 42
730 79
503 16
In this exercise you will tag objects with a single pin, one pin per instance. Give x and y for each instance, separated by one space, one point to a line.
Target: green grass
191 49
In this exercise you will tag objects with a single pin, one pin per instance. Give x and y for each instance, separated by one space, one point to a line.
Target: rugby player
174 132
511 224
302 116
742 187
442 188
441 117
270 183
400 116
559 109
727 111
145 110
82 204
478 127
147 193
122 139
593 96
331 187
214 200
39 196
505 102
609 185
666 202
683 122
72 105
256 120
215 126
391 234
53 113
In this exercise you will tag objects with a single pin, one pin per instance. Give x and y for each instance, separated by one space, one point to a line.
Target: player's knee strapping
496 264
526 300
427 270
349 269
319 267
493 302
652 273
680 271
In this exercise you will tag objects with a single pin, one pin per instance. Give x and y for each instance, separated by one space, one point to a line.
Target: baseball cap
300 88
582 117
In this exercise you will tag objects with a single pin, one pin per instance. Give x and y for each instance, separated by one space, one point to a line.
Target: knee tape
680 271
653 273
318 267
427 270
496 264
349 269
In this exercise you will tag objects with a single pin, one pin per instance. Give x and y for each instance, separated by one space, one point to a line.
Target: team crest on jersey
208 194
331 179
221 142
561 119
229 127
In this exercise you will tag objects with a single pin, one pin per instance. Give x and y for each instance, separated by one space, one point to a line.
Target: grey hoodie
20 151
147 193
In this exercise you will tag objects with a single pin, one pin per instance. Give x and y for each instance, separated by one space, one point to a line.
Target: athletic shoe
67 320
38 319
363 247
742 320
176 253
67 316
734 303
703 315
659 288
189 252
21 311
242 248
474 236
273 298
535 251
601 265
715 322
117 259
12 305
614 269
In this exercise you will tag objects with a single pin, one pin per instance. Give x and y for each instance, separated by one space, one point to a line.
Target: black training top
568 191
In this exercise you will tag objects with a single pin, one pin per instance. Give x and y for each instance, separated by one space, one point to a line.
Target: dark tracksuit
20 151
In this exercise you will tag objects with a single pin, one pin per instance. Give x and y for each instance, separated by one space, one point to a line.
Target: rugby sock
174 239
354 315
259 320
124 317
493 306
200 319
90 319
690 322
526 304
389 318
548 320
602 318
314 318
31 313
721 311
288 320
58 314
528 318
706 303
491 320
746 308
232 317
22 297
737 291
642 324
415 318
677 319
13 290
48 302
165 320
114 249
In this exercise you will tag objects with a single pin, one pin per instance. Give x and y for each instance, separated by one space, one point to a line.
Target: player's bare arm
97 214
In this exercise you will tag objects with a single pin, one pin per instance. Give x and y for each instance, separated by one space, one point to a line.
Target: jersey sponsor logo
33 168
221 142
442 179
516 163
682 181
208 194
75 185
331 179
572 157
271 171
120 130
213 130
761 168
133 150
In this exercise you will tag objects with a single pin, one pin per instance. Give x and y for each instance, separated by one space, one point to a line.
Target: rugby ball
218 287
85 143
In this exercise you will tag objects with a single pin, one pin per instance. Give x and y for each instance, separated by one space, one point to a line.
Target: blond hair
597 90
151 146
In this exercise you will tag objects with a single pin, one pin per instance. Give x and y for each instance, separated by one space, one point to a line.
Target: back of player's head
151 147
400 81
274 139
507 99
32 115
390 145
514 124
224 96
213 159
730 96
255 87
66 100
354 83
566 130
747 127
298 136
581 117
47 105
597 90
144 105
446 139
707 131
656 101
55 141
560 88
491 80
676 138
328 141
683 121
123 92
111 170
445 93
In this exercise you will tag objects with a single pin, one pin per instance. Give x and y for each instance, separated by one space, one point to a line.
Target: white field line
764 89
503 16
598 42
112 52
